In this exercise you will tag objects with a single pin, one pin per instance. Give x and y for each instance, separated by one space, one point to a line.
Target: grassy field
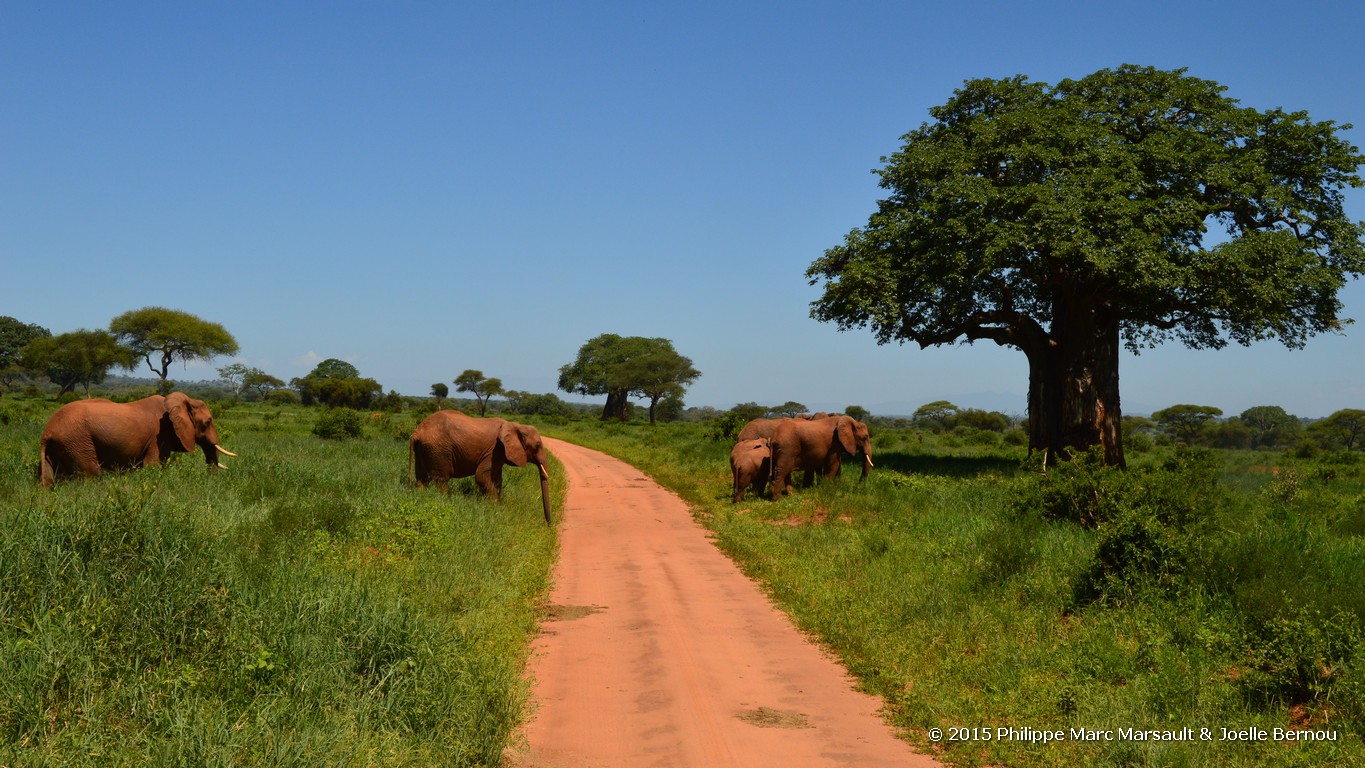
303 607
1212 591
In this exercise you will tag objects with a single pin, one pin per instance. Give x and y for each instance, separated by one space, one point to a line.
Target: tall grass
303 607
970 591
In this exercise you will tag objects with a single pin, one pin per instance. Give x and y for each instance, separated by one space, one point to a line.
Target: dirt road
659 652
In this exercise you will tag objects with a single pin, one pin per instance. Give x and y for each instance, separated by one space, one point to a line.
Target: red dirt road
660 652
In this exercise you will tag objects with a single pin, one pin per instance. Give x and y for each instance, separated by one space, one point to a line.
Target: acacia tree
261 381
1069 221
169 335
79 357
621 366
1186 421
482 387
654 371
1345 426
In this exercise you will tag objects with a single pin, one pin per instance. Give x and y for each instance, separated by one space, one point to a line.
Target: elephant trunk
210 454
211 451
545 491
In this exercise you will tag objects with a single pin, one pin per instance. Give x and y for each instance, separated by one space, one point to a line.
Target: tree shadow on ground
949 466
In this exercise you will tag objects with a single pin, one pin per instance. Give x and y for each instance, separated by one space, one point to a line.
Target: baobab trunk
1074 392
616 407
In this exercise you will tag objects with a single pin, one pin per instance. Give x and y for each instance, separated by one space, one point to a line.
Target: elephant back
760 428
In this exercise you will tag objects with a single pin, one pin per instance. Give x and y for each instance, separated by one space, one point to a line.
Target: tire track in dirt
659 652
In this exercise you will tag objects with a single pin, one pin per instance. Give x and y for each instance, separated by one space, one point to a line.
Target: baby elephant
750 463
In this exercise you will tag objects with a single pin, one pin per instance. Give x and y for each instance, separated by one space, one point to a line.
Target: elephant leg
489 480
780 481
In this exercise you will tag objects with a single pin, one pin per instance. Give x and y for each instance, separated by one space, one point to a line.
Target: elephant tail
46 472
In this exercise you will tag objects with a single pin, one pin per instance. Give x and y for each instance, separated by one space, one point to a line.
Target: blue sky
425 187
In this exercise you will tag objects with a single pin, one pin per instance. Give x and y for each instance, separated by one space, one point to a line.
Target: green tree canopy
338 384
935 415
1345 427
656 372
14 336
332 368
262 382
624 366
1270 426
1186 421
1068 221
79 357
243 377
789 409
169 335
481 387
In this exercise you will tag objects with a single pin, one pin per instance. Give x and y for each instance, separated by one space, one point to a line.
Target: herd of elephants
86 437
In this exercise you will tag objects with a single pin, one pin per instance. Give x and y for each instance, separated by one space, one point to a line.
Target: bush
1136 552
1300 657
281 397
1086 491
338 424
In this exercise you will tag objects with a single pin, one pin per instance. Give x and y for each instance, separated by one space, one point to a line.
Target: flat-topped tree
624 366
168 335
1069 221
482 387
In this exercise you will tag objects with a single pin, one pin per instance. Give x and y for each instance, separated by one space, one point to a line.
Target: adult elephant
759 429
815 446
86 437
451 444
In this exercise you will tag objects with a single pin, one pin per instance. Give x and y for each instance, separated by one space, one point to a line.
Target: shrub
1086 491
1136 552
338 424
281 397
1300 657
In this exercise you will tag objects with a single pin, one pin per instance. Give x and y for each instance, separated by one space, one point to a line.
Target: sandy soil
659 652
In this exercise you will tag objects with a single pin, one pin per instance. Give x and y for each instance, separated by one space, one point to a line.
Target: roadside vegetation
303 607
1202 588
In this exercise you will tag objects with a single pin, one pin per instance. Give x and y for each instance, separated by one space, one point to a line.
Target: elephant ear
178 411
844 429
510 437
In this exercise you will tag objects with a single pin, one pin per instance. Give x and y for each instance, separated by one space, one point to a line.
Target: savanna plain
306 607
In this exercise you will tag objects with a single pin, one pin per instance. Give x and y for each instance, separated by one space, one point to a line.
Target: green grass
303 607
960 585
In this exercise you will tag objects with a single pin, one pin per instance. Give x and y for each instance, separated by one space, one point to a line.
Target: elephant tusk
221 465
544 472
224 451
867 457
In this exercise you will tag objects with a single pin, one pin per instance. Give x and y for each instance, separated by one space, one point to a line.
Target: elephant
86 437
750 463
759 428
451 444
814 446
